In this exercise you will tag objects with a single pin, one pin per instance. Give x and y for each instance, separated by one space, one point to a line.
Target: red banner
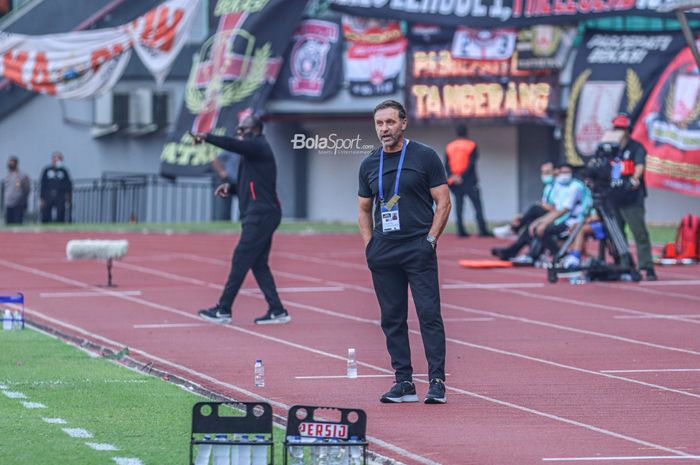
669 128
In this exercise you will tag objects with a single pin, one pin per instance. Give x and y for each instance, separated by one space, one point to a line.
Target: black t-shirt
634 151
422 170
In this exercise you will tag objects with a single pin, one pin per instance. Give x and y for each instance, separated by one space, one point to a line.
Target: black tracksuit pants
252 253
474 193
47 211
396 265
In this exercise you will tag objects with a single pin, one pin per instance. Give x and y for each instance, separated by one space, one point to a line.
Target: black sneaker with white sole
274 317
436 392
403 391
216 314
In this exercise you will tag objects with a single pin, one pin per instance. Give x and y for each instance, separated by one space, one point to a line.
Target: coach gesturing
401 180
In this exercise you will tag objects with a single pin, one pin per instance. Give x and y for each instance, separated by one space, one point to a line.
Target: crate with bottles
12 311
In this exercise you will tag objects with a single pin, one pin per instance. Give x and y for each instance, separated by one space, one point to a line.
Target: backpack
686 247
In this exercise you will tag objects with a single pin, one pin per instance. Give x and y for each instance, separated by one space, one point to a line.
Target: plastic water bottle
7 320
355 452
235 449
296 452
221 452
319 454
352 363
260 452
203 452
16 320
244 451
338 454
259 374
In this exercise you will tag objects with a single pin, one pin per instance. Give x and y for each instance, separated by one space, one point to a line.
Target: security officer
461 158
401 181
260 214
628 198
56 189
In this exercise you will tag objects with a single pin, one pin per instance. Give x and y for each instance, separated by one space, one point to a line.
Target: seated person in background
593 228
523 220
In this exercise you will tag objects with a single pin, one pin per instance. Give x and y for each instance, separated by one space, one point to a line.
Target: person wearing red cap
629 201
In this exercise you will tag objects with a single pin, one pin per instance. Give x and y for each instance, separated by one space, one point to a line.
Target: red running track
538 373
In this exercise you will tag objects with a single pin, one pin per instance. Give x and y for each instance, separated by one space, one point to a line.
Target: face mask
564 178
548 179
59 164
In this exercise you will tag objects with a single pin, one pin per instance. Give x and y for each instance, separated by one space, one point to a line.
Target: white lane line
53 295
359 376
14 395
394 449
639 457
100 446
645 290
672 282
456 320
321 261
55 421
127 461
297 289
662 370
77 432
170 325
33 405
652 317
492 286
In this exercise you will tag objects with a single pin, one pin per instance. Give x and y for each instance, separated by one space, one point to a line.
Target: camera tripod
614 243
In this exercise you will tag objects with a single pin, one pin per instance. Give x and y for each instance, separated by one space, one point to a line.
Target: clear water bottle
7 320
16 320
260 452
296 452
235 449
352 363
355 452
244 451
338 454
221 452
259 374
319 454
203 452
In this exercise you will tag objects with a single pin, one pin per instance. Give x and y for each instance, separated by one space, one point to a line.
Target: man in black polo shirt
260 214
400 248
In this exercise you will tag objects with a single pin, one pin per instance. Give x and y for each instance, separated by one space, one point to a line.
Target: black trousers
396 265
47 211
253 253
530 215
474 193
14 215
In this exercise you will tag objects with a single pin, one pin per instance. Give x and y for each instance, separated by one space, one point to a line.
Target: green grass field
141 415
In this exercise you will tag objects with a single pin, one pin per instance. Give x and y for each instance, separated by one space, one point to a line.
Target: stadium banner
500 13
231 77
613 72
441 88
483 44
544 46
669 128
375 55
85 64
313 63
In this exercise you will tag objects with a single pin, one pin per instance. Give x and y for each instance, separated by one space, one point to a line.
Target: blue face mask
564 178
548 179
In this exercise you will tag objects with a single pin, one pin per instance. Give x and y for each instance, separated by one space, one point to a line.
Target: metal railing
133 198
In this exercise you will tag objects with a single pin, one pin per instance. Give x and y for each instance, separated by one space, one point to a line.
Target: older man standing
16 189
401 181
55 191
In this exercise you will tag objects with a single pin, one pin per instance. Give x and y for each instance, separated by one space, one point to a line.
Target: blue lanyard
398 172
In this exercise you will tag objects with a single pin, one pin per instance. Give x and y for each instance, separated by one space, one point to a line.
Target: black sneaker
404 391
274 318
216 314
651 275
436 392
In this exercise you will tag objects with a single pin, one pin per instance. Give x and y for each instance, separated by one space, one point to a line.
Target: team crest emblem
598 103
683 101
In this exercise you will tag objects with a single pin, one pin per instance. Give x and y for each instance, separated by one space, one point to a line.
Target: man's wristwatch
432 240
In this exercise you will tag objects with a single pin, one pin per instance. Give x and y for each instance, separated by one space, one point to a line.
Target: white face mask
59 164
564 178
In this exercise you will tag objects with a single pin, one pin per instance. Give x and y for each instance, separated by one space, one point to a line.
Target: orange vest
459 154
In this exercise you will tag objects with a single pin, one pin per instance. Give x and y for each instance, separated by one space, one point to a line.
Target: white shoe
522 260
570 261
502 232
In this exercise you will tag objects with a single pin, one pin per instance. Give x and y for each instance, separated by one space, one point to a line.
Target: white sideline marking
77 432
100 446
388 446
672 282
651 317
170 325
127 461
55 421
455 320
53 295
297 289
359 376
492 285
642 457
33 405
2 386
15 395
680 370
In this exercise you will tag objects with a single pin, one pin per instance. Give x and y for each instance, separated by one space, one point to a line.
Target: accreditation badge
390 215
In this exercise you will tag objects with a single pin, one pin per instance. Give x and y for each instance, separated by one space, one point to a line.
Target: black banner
442 88
499 13
613 72
313 63
231 76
